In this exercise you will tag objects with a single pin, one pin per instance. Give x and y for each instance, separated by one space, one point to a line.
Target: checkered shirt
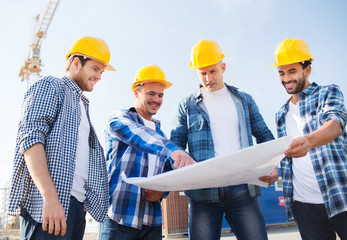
192 128
128 143
318 105
51 116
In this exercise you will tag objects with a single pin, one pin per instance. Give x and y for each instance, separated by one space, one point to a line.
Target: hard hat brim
277 65
109 67
166 84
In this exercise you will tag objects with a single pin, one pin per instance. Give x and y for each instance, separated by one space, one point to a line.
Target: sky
162 32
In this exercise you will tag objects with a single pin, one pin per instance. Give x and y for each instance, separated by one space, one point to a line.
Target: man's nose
288 77
208 78
156 98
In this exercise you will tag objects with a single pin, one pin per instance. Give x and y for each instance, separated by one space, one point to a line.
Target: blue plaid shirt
51 116
128 143
192 127
318 105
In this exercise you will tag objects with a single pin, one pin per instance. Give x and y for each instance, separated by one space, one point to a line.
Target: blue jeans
242 212
111 230
76 221
314 223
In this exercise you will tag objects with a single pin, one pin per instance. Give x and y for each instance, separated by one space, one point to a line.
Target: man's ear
307 70
223 67
76 63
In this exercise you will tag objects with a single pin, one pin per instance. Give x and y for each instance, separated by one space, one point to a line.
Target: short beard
301 85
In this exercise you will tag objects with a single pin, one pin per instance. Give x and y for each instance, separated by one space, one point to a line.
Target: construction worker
59 168
315 184
214 121
136 145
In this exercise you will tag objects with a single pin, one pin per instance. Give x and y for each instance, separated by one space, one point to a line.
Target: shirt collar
310 89
75 88
199 97
306 91
71 84
133 109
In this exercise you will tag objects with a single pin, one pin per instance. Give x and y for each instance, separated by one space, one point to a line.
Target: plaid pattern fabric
318 105
192 128
128 143
51 116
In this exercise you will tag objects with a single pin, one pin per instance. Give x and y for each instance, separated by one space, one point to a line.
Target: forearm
36 161
325 134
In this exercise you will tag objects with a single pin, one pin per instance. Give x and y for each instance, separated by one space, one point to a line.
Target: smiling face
294 78
85 76
211 77
148 99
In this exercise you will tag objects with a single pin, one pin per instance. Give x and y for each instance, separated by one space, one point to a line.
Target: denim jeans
314 223
30 229
111 230
242 212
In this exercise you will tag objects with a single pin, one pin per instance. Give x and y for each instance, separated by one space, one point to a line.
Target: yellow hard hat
292 50
92 47
151 73
205 53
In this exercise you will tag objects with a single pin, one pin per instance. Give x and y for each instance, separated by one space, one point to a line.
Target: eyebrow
155 92
289 70
203 72
97 67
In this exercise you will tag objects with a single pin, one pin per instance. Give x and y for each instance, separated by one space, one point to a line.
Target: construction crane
32 66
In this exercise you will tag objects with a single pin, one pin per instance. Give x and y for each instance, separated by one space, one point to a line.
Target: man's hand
298 148
273 177
181 159
152 195
53 217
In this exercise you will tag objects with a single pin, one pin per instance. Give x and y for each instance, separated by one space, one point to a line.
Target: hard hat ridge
92 47
205 53
150 73
292 50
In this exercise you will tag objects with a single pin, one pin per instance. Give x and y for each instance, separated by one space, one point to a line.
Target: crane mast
32 65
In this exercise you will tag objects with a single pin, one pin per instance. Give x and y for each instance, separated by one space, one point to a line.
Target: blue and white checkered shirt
318 105
51 116
128 143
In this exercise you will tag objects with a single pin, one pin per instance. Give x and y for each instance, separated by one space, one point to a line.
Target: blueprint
244 166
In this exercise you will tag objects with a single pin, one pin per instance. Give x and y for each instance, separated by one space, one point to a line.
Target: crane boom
33 63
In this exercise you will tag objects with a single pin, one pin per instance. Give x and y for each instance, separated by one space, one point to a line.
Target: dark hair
305 64
82 59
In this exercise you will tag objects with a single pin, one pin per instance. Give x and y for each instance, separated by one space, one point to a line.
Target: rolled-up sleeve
38 114
334 107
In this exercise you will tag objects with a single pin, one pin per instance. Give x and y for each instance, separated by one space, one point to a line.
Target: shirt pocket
314 120
196 123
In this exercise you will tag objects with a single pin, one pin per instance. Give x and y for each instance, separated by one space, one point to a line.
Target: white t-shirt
224 122
82 157
151 157
305 183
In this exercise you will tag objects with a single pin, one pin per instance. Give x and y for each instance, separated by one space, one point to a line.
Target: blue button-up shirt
128 143
51 116
192 128
318 105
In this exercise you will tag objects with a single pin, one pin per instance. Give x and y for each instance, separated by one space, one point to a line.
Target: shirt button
210 142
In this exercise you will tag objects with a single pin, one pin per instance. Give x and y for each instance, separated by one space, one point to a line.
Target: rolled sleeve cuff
342 118
30 140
